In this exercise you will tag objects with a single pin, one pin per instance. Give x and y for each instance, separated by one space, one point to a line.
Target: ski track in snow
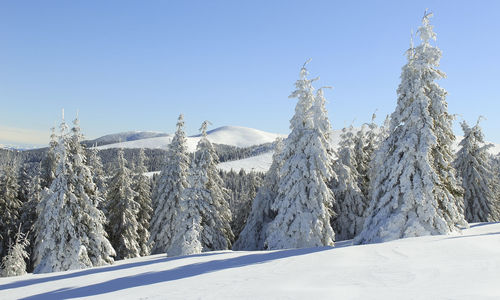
465 266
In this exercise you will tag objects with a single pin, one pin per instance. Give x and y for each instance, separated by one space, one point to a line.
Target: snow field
463 266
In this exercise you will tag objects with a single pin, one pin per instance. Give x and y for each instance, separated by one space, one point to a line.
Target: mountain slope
263 161
123 137
227 135
463 266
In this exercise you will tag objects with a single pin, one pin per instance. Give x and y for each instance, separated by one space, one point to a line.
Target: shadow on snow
96 270
483 224
181 272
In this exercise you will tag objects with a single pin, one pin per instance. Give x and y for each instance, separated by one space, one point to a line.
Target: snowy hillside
233 136
434 267
258 163
262 162
124 137
227 135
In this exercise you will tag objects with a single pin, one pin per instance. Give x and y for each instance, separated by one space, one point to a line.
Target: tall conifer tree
415 192
473 164
304 201
169 189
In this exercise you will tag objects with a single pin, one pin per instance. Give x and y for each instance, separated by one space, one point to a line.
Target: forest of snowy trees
67 209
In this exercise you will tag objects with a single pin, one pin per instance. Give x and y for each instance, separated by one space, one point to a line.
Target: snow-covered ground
258 163
463 266
227 135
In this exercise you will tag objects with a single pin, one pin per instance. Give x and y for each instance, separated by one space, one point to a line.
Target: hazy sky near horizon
135 65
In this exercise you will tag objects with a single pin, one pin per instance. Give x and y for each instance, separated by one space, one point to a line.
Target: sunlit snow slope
227 135
463 266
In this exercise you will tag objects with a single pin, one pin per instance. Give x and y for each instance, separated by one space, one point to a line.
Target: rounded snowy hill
227 135
240 136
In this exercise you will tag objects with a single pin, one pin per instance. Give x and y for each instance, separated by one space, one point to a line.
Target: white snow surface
258 163
227 135
463 266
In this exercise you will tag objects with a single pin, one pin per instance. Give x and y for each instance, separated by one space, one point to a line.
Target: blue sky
135 65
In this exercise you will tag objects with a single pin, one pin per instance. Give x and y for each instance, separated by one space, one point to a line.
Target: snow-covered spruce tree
49 161
203 221
29 215
242 213
168 190
24 178
473 166
57 245
415 192
90 219
123 211
97 169
304 201
142 188
69 227
10 205
14 263
186 225
214 208
253 235
365 144
350 202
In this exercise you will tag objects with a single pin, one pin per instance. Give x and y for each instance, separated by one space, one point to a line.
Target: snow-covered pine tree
473 166
214 208
168 191
70 233
10 205
14 263
350 202
49 161
253 235
304 201
415 192
122 212
142 188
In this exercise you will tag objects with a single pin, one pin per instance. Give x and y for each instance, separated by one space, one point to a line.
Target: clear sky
135 65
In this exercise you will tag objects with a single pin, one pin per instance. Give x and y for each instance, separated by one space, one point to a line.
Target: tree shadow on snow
111 268
473 235
483 224
181 272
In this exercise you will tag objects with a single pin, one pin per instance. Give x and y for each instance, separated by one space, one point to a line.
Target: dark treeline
154 161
